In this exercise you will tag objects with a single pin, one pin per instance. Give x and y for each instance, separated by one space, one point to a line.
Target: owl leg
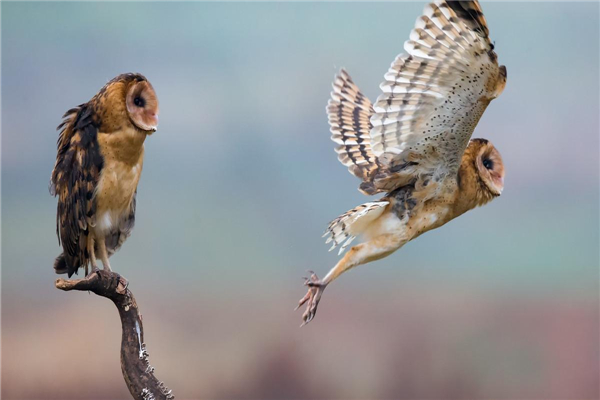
122 283
379 247
92 253
103 254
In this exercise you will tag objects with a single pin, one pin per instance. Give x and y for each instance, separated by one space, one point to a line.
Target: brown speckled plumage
98 166
414 143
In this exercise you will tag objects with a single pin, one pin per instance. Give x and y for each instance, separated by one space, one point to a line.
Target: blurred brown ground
444 345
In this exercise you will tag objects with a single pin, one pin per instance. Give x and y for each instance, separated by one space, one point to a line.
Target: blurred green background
241 179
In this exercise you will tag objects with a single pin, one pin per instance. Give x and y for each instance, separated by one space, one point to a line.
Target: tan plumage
414 142
98 166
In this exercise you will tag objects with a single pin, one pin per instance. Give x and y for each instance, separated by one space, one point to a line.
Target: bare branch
136 368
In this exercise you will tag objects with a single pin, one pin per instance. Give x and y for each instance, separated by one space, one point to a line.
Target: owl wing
349 113
74 179
433 96
345 228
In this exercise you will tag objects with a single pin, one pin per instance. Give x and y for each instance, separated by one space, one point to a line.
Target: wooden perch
136 368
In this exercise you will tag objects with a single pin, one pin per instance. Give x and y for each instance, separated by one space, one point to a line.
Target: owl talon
312 297
92 272
302 301
122 284
312 283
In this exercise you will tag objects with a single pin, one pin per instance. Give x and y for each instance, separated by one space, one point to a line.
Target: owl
414 144
98 166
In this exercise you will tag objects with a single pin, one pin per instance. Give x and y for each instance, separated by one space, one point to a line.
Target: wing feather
433 96
349 113
345 228
74 180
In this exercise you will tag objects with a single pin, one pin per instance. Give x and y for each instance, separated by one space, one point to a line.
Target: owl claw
122 284
312 297
116 281
302 301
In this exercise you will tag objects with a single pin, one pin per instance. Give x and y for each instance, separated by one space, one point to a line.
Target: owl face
489 166
142 105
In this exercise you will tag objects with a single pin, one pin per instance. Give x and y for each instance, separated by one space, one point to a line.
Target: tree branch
136 368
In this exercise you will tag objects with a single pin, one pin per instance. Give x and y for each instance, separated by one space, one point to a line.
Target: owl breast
414 212
428 218
118 182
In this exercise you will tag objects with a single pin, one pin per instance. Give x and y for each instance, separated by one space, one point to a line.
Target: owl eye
139 102
488 164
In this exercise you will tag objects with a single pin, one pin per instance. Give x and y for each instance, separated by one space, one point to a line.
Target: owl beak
153 122
154 118
499 185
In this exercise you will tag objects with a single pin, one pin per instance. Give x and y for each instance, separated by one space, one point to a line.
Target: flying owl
414 143
98 167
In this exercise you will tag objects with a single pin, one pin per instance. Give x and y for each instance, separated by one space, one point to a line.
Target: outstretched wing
74 179
349 113
433 97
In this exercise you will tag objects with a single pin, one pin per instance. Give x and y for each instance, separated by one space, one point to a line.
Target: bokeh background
241 179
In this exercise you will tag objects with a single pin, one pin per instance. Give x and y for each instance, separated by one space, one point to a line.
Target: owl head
480 176
131 96
488 166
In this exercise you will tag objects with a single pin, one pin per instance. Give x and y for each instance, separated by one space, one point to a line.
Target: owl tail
61 266
345 228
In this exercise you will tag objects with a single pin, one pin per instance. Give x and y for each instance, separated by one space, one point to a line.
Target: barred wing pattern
345 228
349 113
433 97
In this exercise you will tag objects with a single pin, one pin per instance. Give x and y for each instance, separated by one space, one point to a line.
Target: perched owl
414 143
98 167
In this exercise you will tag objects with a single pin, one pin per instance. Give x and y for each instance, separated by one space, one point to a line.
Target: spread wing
433 97
349 113
74 179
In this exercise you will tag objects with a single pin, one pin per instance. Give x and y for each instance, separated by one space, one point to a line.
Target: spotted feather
434 95
418 149
74 180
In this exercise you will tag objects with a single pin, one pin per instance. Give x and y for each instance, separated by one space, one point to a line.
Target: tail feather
62 267
345 228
